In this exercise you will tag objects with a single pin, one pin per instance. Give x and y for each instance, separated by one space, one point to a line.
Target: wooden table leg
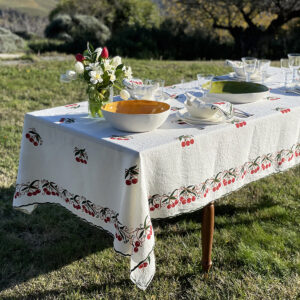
207 231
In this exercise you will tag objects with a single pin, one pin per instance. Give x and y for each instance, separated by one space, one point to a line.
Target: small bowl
136 115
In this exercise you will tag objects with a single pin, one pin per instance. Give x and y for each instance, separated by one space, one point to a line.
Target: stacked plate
197 111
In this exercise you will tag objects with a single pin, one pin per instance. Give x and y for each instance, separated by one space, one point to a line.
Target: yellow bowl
136 115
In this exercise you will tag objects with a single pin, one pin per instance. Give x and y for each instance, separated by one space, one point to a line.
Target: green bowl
238 91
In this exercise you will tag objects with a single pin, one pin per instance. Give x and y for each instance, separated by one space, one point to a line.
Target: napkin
200 109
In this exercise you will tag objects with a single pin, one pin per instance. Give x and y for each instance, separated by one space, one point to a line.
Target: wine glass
263 66
249 64
285 68
204 87
294 63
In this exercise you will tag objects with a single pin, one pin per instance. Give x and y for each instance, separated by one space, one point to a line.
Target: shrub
10 42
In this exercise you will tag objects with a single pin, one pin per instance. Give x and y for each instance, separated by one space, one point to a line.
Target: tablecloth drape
121 181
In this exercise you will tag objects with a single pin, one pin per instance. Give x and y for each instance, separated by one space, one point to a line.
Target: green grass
52 254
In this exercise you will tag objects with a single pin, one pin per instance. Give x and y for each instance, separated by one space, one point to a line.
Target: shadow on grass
48 239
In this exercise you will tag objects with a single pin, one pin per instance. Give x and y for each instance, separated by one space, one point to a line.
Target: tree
114 13
252 24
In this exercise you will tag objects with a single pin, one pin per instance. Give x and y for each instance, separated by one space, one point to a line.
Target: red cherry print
176 201
252 171
173 205
192 141
148 236
134 180
108 219
193 198
27 135
38 191
136 249
233 180
77 159
189 200
31 140
152 208
214 189
280 163
244 123
204 195
82 161
48 193
181 198
219 185
45 190
145 264
237 125
241 124
187 143
137 243
184 202
53 193
169 206
85 162
183 144
128 182
29 194
141 266
283 159
119 238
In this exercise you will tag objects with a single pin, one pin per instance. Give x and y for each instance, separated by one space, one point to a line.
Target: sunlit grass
52 254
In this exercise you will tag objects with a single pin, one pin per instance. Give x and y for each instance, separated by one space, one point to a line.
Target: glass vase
97 99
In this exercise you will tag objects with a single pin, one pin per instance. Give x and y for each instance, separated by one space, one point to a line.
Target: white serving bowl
237 92
136 115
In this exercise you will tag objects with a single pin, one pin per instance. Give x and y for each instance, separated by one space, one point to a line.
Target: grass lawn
52 254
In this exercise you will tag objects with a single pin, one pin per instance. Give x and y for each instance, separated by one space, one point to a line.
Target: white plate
185 116
252 78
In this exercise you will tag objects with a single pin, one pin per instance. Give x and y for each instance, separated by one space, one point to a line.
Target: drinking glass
249 64
263 66
294 63
285 68
160 83
204 87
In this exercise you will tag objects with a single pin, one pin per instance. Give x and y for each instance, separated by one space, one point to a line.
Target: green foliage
9 42
169 41
76 31
52 254
114 13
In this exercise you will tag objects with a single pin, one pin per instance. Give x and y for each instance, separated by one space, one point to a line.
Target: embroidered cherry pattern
34 137
80 155
186 140
131 175
283 110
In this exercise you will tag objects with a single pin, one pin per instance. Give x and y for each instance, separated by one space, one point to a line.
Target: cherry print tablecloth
121 181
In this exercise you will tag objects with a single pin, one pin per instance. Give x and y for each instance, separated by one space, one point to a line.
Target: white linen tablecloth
120 181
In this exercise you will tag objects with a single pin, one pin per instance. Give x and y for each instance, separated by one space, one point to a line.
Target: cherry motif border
136 237
187 194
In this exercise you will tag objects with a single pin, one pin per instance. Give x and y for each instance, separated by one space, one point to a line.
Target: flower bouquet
101 75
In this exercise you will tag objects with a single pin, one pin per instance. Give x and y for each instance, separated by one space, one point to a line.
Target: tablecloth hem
90 223
224 195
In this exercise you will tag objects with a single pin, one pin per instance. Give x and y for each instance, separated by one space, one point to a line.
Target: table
122 181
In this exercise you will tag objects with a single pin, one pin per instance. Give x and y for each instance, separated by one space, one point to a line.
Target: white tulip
124 95
107 65
116 61
79 67
128 73
112 77
98 51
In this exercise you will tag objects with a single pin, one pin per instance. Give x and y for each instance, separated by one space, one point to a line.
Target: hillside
31 7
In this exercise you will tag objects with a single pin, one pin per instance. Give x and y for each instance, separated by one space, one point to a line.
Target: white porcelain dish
184 115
